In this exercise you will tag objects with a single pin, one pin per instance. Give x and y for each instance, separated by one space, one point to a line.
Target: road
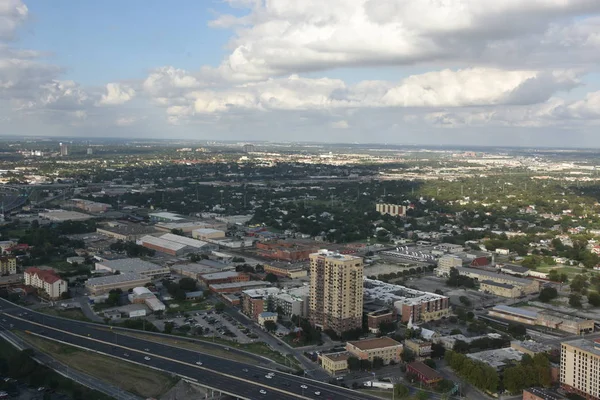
230 377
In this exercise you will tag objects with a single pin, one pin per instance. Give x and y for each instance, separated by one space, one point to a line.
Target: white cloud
341 124
12 14
116 94
125 121
285 36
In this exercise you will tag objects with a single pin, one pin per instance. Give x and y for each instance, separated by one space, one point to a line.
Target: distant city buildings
248 148
64 149
395 210
336 291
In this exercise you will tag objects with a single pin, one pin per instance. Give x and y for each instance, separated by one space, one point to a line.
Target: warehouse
124 282
135 265
207 233
164 246
237 286
185 227
165 217
126 231
286 270
224 277
62 215
554 320
526 286
197 245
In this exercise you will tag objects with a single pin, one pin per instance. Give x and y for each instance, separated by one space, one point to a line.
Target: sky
431 72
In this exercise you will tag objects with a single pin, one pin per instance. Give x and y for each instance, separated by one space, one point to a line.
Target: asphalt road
222 374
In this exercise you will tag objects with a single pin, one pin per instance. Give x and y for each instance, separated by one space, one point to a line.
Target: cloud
116 94
12 14
279 37
342 124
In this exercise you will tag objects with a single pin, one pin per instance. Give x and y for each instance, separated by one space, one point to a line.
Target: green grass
570 271
71 314
62 266
188 306
384 394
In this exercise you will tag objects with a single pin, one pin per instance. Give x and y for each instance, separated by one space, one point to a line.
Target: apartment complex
580 367
394 210
336 291
47 280
8 265
384 347
289 301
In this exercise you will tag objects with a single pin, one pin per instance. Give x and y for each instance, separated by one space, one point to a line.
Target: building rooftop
516 311
166 215
497 358
498 284
47 275
494 275
112 279
196 293
207 231
585 345
141 291
220 275
184 240
240 285
333 254
130 265
167 244
127 228
391 293
375 343
267 314
545 394
515 268
180 225
532 346
335 357
260 293
426 371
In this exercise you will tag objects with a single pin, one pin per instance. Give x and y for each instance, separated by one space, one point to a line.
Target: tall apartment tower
580 367
336 291
64 149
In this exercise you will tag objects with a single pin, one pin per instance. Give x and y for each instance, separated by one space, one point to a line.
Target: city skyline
360 71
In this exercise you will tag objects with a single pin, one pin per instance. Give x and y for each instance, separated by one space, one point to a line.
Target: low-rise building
423 372
377 317
164 246
208 233
266 316
125 231
500 289
497 358
547 318
90 206
223 277
195 245
46 280
124 282
292 271
419 347
256 301
541 394
446 263
133 265
530 347
526 286
335 363
62 215
515 270
237 286
384 347
11 281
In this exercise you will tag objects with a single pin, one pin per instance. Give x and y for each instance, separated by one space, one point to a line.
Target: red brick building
223 277
375 318
423 372
285 251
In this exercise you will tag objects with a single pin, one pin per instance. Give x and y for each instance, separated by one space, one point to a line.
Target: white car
263 391
317 393
146 349
269 376
147 358
304 387
198 362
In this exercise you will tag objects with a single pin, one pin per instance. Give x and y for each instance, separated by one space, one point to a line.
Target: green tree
271 277
401 391
377 362
270 326
547 294
220 307
575 300
594 299
353 363
188 284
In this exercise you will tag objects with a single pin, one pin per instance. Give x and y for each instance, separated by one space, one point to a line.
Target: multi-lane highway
231 377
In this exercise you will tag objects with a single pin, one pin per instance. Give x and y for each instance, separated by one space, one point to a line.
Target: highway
228 376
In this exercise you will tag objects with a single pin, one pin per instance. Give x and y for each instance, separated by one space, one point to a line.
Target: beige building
446 263
580 367
266 316
420 348
208 233
500 289
335 363
394 210
126 281
336 291
8 265
384 347
46 280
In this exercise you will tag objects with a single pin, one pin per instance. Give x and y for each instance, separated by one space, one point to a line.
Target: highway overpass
231 377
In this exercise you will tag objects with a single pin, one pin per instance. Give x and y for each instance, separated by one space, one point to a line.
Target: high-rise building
336 291
90 151
64 149
580 367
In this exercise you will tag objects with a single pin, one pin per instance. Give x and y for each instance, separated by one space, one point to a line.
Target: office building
336 291
335 363
580 367
446 263
8 265
64 149
46 280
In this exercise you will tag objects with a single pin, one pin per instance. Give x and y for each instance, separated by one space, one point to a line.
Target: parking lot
212 324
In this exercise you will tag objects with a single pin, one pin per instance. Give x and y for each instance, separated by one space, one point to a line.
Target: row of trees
531 371
476 373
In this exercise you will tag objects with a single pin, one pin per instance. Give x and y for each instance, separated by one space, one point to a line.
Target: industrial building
124 281
336 291
194 270
237 286
195 245
125 231
164 246
208 233
554 320
497 358
410 304
47 280
135 265
384 347
500 289
223 277
8 265
515 270
580 366
185 227
526 286
90 206
165 217
286 250
286 270
62 215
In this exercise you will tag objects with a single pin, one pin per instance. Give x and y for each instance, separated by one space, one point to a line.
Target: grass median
132 378
75 314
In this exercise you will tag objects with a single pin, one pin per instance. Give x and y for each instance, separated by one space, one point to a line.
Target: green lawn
71 314
570 271
188 306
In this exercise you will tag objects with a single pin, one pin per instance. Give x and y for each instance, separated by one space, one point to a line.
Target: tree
437 350
547 294
169 327
465 301
401 391
430 363
188 284
271 277
575 300
220 307
270 326
377 362
594 299
516 329
353 363
180 294
387 327
407 355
